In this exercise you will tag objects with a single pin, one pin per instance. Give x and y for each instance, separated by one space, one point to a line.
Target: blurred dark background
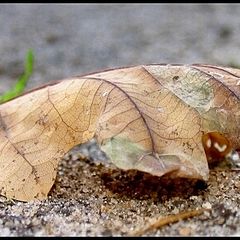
73 39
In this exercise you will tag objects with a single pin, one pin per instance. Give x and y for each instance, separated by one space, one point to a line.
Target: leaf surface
151 118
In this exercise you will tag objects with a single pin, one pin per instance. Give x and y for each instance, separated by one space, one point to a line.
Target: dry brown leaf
151 118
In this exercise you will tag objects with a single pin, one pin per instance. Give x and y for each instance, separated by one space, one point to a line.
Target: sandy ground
90 199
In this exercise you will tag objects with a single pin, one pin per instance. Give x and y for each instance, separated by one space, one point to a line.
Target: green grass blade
19 87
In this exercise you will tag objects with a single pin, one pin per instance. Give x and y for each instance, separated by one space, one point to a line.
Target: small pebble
185 231
207 205
193 198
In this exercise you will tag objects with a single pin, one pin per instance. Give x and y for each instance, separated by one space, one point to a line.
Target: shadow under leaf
139 185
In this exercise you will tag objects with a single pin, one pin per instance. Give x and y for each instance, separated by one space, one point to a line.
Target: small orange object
216 146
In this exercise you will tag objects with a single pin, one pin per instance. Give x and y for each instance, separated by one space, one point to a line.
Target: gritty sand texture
90 199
